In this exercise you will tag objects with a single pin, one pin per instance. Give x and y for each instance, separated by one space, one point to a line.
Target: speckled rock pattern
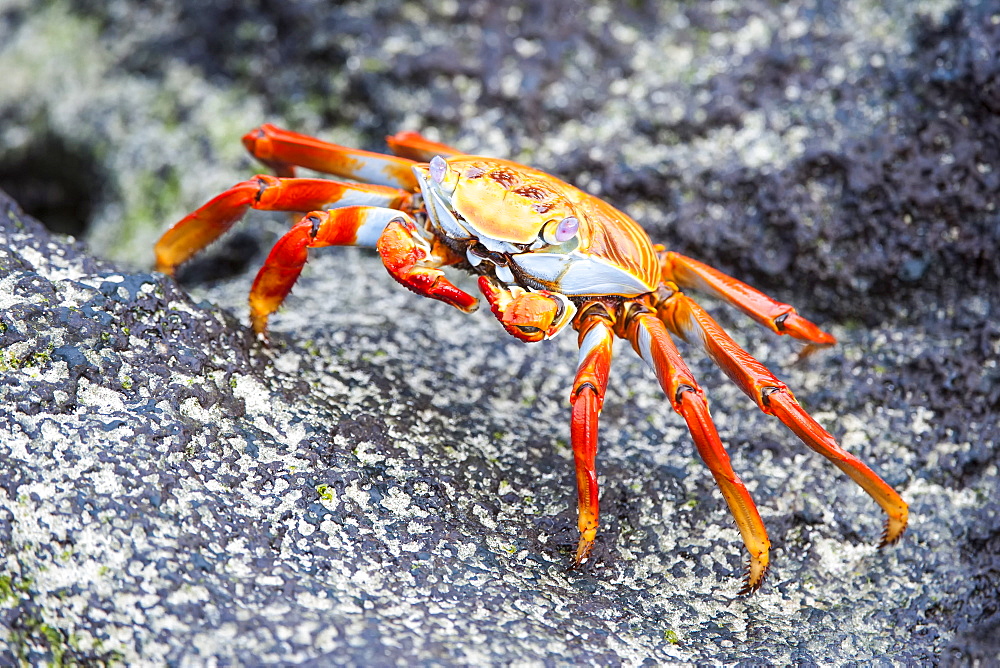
389 482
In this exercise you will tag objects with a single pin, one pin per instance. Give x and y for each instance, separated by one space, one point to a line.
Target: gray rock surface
390 481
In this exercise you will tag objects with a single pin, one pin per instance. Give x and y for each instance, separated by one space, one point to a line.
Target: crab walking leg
415 146
587 398
283 151
650 338
684 317
349 226
776 316
204 225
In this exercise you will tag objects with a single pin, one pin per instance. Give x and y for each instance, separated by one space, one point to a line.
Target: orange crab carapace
548 256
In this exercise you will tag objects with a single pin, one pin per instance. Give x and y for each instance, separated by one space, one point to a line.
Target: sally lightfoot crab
548 256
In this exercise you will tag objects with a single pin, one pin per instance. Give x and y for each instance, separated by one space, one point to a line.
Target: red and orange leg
688 320
206 224
407 256
587 398
348 226
650 339
415 146
385 181
283 151
776 316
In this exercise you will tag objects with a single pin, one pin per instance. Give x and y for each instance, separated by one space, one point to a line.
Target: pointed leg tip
756 574
805 330
583 550
167 268
895 523
894 530
259 325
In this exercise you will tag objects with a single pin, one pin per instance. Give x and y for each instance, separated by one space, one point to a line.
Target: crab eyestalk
560 231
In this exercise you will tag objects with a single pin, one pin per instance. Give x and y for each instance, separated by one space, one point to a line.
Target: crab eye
438 168
566 229
560 231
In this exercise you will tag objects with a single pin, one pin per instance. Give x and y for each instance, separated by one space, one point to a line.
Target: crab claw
528 316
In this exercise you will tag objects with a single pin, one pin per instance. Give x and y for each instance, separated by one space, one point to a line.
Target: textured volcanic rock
390 482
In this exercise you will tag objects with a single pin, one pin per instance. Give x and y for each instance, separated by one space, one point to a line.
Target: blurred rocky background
390 481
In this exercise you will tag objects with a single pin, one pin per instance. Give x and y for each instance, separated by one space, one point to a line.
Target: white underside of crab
578 274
